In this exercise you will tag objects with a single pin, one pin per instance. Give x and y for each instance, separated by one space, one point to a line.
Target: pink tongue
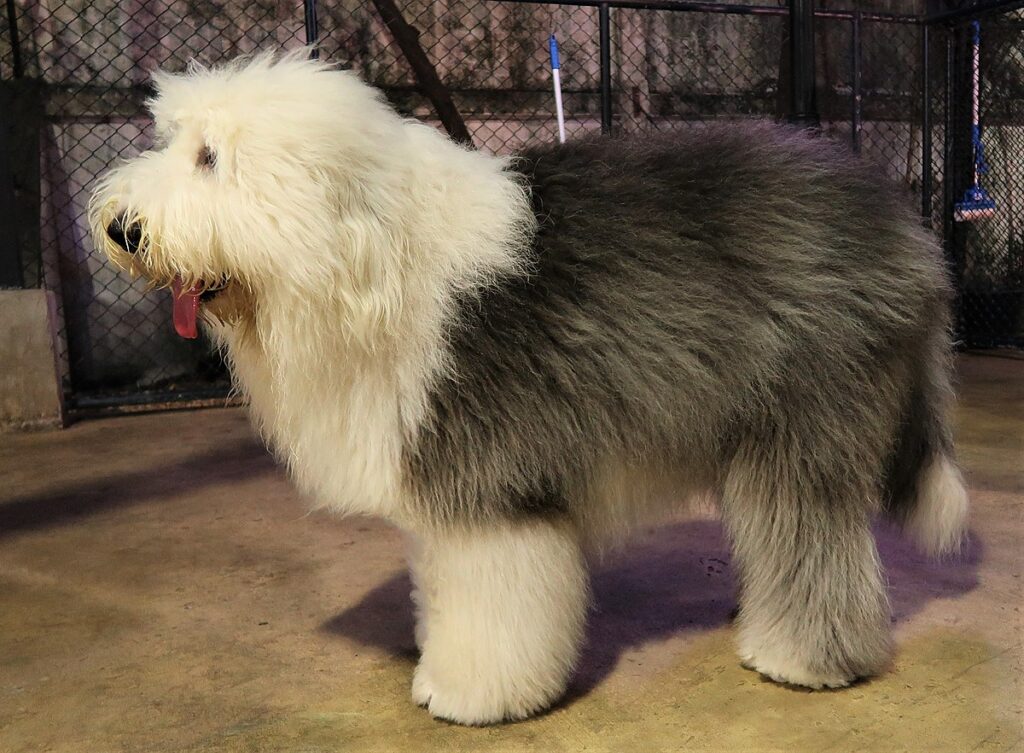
186 306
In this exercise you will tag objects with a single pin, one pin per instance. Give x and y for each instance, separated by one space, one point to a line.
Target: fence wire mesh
989 254
76 75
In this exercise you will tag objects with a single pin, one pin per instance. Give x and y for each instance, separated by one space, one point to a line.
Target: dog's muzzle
126 235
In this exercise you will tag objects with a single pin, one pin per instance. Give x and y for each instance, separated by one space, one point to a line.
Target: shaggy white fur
501 615
416 218
939 518
356 267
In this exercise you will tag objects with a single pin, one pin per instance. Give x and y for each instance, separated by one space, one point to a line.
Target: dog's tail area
924 491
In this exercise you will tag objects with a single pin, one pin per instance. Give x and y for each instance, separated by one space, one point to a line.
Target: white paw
475 704
792 672
422 688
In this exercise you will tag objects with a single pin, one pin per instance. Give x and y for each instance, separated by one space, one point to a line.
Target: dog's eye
207 159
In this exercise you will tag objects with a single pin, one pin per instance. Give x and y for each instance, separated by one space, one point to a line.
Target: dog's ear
162 80
171 93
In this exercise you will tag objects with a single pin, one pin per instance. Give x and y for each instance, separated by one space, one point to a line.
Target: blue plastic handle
553 44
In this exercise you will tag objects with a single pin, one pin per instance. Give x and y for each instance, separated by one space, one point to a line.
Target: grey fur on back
740 294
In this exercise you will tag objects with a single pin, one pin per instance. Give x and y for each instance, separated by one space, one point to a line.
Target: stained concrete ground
162 588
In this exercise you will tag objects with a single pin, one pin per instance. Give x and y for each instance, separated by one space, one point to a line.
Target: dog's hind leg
501 613
813 608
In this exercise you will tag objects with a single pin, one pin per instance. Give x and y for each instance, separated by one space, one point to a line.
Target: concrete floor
163 589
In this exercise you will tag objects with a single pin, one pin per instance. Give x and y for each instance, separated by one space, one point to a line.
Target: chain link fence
988 255
75 78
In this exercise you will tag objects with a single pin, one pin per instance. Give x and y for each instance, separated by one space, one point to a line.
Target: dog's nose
127 235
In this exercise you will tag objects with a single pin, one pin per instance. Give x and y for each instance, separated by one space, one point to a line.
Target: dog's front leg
500 613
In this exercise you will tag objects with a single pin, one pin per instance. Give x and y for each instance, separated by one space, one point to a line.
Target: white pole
976 91
556 79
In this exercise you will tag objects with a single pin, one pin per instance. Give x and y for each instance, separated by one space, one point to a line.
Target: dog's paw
422 688
474 705
791 672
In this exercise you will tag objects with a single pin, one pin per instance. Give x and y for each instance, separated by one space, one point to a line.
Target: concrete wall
30 395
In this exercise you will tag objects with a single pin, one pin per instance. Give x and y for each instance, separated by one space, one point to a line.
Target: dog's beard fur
743 311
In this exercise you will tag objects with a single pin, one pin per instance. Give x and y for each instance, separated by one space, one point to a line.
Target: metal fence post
604 29
857 92
949 180
926 126
312 28
11 275
10 240
12 24
804 110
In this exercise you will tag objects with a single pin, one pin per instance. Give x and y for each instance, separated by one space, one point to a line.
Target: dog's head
265 172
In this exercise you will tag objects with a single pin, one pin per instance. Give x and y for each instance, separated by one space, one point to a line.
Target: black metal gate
74 77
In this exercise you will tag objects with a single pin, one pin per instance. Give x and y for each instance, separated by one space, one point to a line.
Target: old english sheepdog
516 359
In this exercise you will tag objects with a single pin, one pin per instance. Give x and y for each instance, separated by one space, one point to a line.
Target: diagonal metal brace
408 40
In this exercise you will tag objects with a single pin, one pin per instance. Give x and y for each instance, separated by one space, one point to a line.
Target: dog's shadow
673 579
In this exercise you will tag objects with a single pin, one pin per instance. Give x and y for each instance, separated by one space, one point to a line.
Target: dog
516 360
